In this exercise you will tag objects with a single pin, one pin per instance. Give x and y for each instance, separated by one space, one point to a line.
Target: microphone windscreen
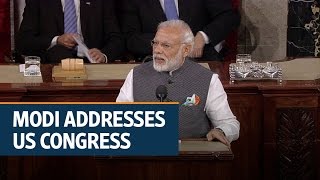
161 92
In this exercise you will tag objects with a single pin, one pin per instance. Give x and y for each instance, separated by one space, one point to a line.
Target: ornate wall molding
295 143
303 28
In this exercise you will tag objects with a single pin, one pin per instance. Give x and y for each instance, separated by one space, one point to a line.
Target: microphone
161 93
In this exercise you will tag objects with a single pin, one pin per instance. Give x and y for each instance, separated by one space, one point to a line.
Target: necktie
170 10
70 17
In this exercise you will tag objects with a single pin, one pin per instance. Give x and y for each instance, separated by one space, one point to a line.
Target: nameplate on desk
60 75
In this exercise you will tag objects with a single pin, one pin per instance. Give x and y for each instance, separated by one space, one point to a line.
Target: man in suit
49 26
204 110
210 20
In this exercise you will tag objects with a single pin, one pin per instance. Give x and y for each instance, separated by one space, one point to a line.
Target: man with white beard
204 110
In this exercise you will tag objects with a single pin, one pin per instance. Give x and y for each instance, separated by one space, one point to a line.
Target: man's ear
187 50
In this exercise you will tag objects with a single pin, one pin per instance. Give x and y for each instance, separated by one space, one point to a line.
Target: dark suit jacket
140 19
43 20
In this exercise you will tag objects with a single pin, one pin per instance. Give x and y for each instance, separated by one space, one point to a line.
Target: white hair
187 36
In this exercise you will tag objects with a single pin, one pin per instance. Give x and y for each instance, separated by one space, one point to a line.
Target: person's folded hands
67 40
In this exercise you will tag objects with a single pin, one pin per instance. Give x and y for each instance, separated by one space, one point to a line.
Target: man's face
167 49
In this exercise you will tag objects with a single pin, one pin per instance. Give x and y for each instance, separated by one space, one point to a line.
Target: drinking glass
32 66
243 69
246 58
271 69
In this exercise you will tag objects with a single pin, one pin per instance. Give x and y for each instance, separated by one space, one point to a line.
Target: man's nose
157 49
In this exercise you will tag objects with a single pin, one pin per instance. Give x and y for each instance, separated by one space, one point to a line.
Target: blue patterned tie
170 9
70 17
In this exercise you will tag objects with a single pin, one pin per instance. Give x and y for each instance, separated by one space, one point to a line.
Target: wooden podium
197 159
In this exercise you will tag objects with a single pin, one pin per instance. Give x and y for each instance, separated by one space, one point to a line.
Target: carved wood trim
295 143
3 168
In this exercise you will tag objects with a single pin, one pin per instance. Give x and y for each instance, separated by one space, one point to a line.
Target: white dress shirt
217 106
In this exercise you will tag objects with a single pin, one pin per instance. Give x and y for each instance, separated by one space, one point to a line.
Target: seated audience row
114 29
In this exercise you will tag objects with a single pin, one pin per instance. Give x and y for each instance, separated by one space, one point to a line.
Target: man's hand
218 134
199 43
67 40
97 56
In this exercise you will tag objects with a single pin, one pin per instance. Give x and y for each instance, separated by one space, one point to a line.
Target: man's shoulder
143 66
198 66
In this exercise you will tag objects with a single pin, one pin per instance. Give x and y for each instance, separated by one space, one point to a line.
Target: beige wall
263 30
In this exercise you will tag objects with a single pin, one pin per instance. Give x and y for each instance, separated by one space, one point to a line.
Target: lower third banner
60 129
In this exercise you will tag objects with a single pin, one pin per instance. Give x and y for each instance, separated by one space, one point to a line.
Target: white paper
21 68
83 48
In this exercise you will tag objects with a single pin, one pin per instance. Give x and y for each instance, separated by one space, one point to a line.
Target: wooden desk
208 163
279 136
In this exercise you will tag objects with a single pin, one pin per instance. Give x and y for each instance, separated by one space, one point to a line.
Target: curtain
4 29
232 40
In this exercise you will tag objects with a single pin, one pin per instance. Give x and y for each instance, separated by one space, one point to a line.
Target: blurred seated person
204 110
210 20
48 27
